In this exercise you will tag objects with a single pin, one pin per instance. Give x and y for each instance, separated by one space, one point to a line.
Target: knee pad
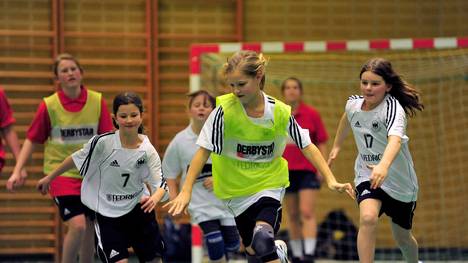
231 238
215 244
263 242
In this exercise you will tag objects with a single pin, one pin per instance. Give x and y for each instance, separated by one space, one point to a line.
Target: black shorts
302 179
70 206
136 229
265 209
401 213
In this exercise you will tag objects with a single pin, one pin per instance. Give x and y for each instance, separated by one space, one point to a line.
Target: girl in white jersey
217 223
246 135
385 178
118 170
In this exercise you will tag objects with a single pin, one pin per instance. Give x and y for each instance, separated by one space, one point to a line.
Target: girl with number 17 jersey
371 129
384 174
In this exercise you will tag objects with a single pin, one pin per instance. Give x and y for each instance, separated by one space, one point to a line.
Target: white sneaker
282 250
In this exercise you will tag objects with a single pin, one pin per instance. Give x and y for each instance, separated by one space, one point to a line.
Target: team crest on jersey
375 126
140 162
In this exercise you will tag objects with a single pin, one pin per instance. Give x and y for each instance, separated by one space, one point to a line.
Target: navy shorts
302 179
266 209
70 206
136 229
401 213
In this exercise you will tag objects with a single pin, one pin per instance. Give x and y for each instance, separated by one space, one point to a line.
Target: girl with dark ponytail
384 171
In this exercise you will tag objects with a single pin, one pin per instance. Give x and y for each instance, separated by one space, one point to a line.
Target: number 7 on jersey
126 179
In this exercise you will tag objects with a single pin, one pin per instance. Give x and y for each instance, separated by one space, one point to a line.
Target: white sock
309 246
296 247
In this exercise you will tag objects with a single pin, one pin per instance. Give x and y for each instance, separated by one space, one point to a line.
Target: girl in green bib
246 135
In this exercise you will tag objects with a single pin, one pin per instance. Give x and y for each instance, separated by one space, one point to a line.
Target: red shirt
6 119
308 118
40 129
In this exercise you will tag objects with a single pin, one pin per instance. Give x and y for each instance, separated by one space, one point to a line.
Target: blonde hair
65 56
249 62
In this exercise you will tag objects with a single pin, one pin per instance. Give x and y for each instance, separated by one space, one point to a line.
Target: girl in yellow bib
246 135
64 121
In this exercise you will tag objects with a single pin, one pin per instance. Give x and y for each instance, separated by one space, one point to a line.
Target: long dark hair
407 95
126 98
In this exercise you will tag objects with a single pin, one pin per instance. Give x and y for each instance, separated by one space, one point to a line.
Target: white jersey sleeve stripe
298 134
163 184
391 113
386 115
220 131
295 133
213 133
84 168
216 136
291 131
394 114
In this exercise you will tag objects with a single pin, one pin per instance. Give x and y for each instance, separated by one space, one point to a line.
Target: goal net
438 139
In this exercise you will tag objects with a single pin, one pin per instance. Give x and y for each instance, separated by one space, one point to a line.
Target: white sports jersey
204 205
115 178
214 128
371 130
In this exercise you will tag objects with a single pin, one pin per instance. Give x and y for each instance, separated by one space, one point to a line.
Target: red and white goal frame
197 50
